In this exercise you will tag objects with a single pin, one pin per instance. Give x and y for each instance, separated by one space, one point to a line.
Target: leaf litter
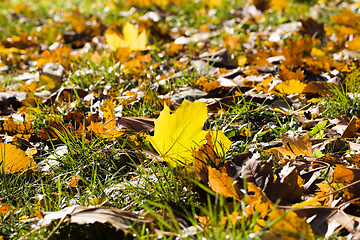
253 110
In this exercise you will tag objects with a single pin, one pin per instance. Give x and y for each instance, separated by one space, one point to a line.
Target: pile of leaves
180 119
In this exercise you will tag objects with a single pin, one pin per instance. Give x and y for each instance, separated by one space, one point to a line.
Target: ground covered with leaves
177 119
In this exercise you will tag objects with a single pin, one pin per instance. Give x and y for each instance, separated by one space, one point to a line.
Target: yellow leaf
111 5
290 225
14 160
291 87
131 39
317 52
103 201
221 142
108 109
113 38
213 3
176 134
310 202
241 60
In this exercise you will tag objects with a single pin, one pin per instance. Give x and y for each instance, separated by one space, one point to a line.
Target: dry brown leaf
119 219
352 128
343 174
234 166
346 175
311 27
287 75
325 220
286 187
259 172
137 124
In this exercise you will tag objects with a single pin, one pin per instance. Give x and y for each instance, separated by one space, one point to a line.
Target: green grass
126 172
343 102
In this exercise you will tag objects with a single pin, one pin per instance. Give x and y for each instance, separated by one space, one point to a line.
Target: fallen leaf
137 124
223 184
290 87
205 156
14 160
288 225
74 181
119 219
176 134
294 146
287 186
108 130
132 39
352 128
4 208
258 172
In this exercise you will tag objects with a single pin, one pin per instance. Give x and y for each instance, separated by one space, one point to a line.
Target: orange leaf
4 208
294 146
74 181
343 174
205 156
286 74
108 130
223 184
257 201
208 85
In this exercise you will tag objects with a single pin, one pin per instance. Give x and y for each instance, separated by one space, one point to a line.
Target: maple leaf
176 134
292 86
132 39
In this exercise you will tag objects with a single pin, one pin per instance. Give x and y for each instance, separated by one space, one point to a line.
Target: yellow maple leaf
291 87
176 134
13 159
132 39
